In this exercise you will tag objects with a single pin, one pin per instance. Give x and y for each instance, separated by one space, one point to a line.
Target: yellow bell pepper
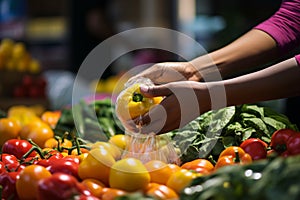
131 103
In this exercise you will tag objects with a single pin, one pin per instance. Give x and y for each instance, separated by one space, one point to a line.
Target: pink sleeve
298 59
284 26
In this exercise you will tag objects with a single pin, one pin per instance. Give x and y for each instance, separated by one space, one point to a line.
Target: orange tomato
53 143
94 186
161 192
51 117
200 165
112 193
38 131
82 150
27 183
160 171
9 129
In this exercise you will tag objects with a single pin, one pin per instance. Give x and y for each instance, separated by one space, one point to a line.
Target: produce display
78 153
20 72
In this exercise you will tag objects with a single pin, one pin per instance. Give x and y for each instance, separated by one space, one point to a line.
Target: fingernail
144 88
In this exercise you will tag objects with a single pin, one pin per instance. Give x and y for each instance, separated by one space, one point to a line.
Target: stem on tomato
35 148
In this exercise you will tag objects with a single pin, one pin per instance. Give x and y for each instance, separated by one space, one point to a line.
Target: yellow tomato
111 148
180 179
23 115
129 174
118 140
9 129
18 50
27 183
39 132
96 165
160 171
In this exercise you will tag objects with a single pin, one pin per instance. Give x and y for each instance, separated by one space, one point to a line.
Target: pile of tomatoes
37 164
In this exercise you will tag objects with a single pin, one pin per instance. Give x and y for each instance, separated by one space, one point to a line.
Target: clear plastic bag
141 146
150 147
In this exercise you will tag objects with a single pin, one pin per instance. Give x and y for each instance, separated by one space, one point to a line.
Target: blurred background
50 39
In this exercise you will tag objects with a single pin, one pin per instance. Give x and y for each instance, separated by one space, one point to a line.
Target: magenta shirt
284 26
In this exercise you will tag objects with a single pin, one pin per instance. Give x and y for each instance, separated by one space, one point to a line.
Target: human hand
179 107
167 72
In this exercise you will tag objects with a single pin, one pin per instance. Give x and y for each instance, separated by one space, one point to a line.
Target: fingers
155 91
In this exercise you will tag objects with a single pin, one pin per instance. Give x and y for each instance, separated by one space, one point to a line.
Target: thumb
155 91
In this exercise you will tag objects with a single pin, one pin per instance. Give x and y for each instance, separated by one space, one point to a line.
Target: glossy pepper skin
255 147
233 155
286 142
131 103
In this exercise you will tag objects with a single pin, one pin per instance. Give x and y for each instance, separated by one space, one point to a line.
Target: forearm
253 49
278 81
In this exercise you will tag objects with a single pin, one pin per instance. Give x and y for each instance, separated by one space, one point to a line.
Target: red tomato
60 186
11 163
17 148
8 183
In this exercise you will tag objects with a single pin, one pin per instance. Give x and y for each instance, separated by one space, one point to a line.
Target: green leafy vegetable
277 178
93 122
215 130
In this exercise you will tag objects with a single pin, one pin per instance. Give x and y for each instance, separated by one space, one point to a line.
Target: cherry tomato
255 147
160 171
129 174
60 186
66 166
51 117
9 129
17 148
53 143
8 183
112 193
118 140
96 165
11 163
39 132
94 186
200 165
181 179
161 192
27 183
